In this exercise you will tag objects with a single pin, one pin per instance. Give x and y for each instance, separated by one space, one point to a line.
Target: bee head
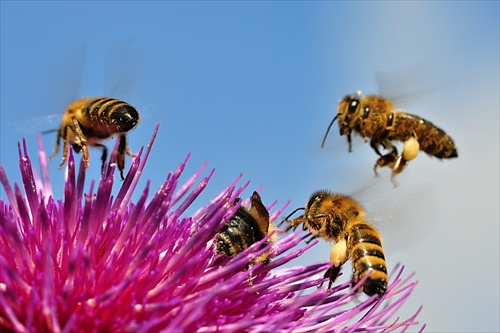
324 202
347 110
315 199
324 211
317 205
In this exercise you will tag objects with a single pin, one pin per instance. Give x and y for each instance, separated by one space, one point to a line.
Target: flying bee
246 227
88 121
374 117
341 219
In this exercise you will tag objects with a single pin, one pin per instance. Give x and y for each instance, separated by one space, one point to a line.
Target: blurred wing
121 72
403 215
35 124
43 111
66 73
406 84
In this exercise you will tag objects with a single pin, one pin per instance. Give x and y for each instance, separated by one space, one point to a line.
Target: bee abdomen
434 141
237 234
112 113
367 256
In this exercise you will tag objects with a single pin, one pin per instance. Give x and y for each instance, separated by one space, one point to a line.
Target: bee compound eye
366 112
353 106
312 200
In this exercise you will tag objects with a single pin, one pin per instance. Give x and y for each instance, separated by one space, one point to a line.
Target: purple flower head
97 262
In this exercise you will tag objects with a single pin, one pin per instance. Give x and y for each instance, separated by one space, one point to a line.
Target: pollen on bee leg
410 149
338 253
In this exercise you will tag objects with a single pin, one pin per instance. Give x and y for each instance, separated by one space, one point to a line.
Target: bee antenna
328 130
295 211
49 131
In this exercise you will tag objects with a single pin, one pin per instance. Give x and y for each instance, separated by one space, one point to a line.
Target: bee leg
250 275
65 154
411 149
120 157
61 134
312 237
286 219
288 227
338 256
332 273
128 152
295 223
282 222
85 153
374 144
127 148
104 154
397 168
58 144
386 160
80 142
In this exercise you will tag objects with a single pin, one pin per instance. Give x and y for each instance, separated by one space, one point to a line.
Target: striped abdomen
364 247
238 234
106 116
433 140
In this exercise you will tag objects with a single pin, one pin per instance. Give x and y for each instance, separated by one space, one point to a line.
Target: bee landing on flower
95 261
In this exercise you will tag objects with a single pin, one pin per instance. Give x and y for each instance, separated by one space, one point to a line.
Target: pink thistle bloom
97 263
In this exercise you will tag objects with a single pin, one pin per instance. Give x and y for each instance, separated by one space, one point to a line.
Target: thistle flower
94 262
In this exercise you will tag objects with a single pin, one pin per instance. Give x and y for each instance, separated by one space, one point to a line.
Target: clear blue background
252 86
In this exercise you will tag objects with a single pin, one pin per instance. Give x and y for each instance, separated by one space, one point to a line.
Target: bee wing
66 73
44 112
121 72
259 212
45 123
406 84
403 215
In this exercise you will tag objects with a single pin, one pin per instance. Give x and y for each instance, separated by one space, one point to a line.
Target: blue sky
250 87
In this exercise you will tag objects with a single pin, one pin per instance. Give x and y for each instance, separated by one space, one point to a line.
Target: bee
374 117
246 227
341 219
88 121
